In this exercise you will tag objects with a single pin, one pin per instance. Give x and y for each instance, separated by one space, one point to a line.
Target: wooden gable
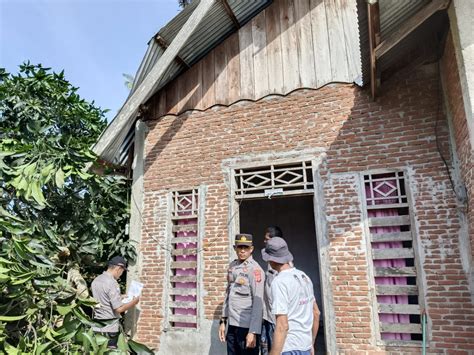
291 44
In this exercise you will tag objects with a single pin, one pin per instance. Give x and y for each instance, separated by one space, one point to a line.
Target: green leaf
11 318
5 213
11 350
20 250
41 349
47 170
90 302
63 310
59 177
22 280
139 348
84 175
37 193
29 169
49 335
122 343
82 316
89 339
5 261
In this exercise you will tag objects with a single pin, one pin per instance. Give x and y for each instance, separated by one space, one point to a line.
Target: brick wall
357 134
450 72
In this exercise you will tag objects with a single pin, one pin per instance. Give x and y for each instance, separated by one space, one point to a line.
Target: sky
93 41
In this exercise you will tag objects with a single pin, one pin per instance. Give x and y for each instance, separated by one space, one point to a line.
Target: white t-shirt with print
292 292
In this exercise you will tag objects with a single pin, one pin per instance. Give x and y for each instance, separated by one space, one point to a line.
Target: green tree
54 214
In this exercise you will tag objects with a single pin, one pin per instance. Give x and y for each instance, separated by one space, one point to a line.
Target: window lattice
184 264
272 180
394 258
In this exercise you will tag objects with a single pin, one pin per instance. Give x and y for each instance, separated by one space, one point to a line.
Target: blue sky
94 41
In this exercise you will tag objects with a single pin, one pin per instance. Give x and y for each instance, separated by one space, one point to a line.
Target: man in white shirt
293 303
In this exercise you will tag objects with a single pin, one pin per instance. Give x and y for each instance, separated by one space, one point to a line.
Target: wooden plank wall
290 45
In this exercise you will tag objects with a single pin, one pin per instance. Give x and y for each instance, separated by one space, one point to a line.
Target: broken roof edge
110 140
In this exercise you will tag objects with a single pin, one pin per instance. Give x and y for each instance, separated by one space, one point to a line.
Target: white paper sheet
135 290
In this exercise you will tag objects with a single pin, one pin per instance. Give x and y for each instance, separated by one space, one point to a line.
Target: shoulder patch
257 274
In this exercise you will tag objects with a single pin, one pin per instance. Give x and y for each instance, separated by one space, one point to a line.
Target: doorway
295 216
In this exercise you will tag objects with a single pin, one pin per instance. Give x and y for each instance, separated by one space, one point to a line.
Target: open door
295 216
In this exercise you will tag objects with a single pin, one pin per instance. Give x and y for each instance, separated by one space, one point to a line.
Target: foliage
184 3
129 79
54 213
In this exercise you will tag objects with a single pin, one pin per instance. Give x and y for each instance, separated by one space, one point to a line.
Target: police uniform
243 305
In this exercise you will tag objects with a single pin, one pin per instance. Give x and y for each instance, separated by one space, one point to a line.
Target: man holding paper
106 291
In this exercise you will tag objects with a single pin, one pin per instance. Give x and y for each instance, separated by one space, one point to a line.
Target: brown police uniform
243 305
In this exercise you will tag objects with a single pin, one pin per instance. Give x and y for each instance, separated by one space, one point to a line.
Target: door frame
316 156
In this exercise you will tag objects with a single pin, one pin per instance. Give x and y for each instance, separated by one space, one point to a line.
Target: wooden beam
164 45
183 264
230 13
176 240
391 237
184 228
189 251
382 254
410 25
393 290
183 292
111 139
183 319
374 38
407 271
400 328
389 221
399 308
179 278
183 304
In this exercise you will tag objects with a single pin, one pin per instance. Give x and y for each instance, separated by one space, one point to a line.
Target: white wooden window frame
198 213
405 201
291 178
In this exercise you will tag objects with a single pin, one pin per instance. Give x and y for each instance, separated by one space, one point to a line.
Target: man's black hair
274 231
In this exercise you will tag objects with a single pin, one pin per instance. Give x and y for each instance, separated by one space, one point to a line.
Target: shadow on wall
131 321
216 347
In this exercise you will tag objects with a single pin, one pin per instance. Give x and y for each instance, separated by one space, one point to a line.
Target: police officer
106 292
243 305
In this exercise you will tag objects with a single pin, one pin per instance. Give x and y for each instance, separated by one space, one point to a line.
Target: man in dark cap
243 305
106 291
293 303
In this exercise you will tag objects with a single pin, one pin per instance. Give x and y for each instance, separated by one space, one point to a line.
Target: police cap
243 239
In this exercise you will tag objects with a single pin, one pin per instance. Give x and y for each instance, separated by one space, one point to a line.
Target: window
394 258
274 180
185 243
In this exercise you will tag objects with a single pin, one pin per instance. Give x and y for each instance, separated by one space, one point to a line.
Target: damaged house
348 124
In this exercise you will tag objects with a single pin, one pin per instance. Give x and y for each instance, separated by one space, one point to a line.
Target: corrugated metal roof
171 29
208 34
213 29
393 13
216 26
364 40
